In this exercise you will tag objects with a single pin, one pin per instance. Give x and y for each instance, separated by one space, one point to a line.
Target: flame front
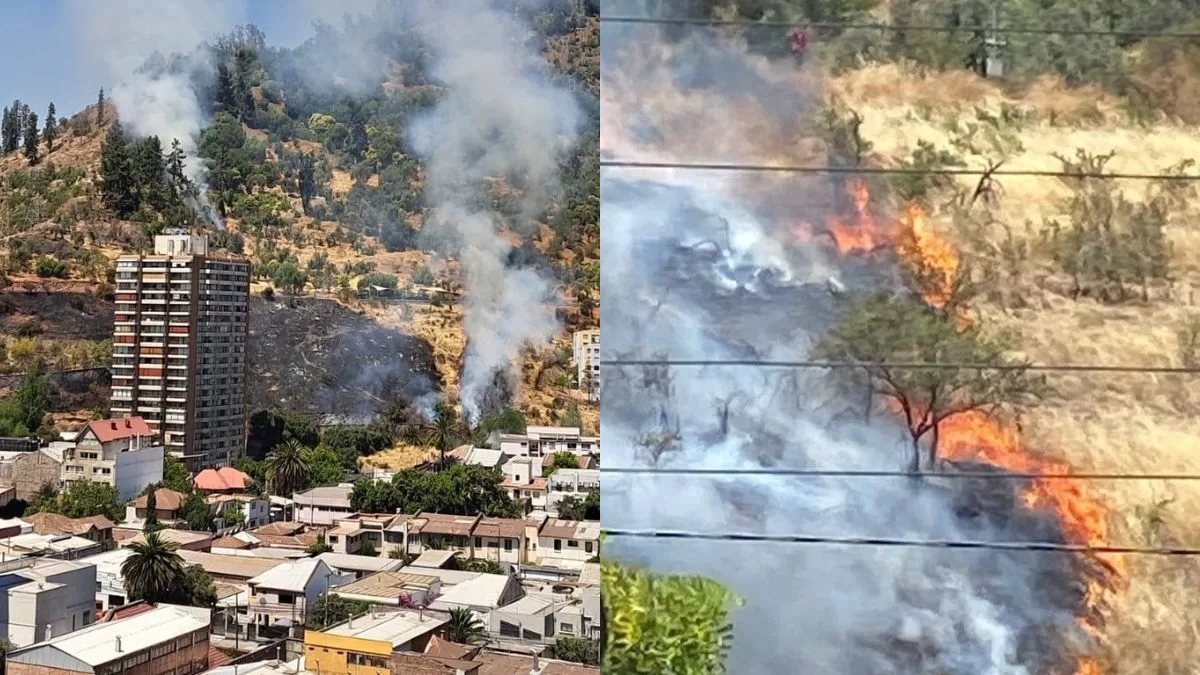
975 436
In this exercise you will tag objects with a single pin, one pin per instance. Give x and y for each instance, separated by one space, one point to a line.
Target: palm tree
286 469
464 628
154 571
444 431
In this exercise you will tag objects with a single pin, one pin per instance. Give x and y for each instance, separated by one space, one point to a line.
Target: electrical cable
1032 367
855 473
890 542
927 28
874 170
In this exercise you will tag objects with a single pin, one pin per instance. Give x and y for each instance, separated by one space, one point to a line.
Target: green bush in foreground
674 625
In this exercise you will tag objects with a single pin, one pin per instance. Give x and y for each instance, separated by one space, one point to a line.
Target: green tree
82 499
368 549
100 107
465 628
878 330
32 138
117 185
197 512
152 523
332 609
51 131
461 490
287 470
574 508
560 460
153 571
483 566
23 412
664 624
577 650
319 547
198 589
235 515
324 466
176 475
444 431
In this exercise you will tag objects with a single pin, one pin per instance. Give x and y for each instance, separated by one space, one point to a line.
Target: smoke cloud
499 119
699 266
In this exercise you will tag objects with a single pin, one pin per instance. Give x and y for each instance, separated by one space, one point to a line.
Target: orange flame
974 436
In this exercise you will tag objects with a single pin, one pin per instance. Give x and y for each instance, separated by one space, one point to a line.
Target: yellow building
364 645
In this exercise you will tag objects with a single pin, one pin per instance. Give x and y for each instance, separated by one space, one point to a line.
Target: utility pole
994 44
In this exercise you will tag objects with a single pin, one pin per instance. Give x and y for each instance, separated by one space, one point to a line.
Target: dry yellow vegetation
1097 422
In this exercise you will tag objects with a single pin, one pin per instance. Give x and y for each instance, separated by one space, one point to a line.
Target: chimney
350 621
421 613
118 641
49 631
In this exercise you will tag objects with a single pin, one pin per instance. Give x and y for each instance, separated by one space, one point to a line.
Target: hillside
314 182
917 265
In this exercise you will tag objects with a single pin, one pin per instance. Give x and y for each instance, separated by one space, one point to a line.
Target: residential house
166 640
392 588
546 441
225 480
503 539
523 480
412 663
110 582
364 645
481 593
93 528
586 344
359 566
59 546
445 532
43 598
281 596
167 504
287 535
580 619
547 613
323 505
499 663
568 543
570 483
117 452
378 532
230 569
28 472
255 511
467 454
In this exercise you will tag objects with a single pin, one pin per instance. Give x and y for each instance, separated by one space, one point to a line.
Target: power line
884 171
926 28
903 543
853 473
758 363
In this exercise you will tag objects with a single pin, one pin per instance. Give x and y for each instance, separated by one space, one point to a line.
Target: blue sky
55 66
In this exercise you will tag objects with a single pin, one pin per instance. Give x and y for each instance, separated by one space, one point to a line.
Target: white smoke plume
499 118
699 266
124 34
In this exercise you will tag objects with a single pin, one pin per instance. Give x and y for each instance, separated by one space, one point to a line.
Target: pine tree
226 98
16 126
51 131
32 138
148 170
4 127
307 182
117 187
100 107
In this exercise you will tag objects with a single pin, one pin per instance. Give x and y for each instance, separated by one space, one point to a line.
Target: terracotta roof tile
116 429
222 479
164 500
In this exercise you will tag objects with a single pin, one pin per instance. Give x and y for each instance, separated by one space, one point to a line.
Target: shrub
51 267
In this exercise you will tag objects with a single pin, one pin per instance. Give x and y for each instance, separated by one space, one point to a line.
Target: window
478 542
508 544
587 546
287 599
566 628
558 544
332 538
571 543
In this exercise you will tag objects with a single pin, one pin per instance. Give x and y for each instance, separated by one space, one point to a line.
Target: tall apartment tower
179 348
587 361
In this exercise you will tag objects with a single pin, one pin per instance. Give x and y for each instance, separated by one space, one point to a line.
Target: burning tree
879 331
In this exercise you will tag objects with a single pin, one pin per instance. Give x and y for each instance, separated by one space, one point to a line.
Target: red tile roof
125 611
222 479
164 500
54 523
107 431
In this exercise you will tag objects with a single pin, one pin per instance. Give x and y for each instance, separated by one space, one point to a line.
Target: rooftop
96 644
586 530
445 524
332 495
164 500
54 523
484 590
169 535
221 480
360 563
511 528
292 576
394 627
494 663
581 475
237 566
433 558
107 431
388 584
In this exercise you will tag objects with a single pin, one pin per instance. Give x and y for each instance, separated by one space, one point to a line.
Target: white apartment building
118 452
110 583
179 347
568 543
587 361
570 483
43 598
545 441
323 505
285 592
